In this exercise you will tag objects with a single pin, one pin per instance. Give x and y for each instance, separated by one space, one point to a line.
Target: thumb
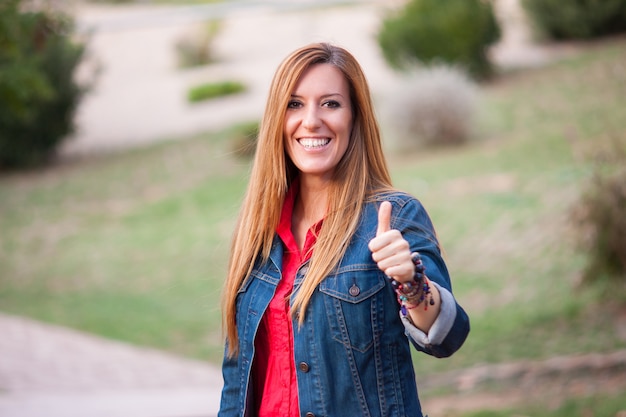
384 218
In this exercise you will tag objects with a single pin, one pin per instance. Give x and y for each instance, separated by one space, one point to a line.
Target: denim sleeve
231 389
451 328
447 334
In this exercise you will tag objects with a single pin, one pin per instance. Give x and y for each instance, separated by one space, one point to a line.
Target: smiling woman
331 268
318 122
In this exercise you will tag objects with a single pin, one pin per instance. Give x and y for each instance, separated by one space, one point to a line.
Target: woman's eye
293 104
332 104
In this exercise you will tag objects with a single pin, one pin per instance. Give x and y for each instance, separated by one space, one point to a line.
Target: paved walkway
140 93
52 371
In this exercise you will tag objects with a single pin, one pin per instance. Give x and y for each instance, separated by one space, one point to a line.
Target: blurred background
126 135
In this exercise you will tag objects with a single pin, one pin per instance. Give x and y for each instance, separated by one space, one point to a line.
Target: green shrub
38 94
213 90
577 19
453 31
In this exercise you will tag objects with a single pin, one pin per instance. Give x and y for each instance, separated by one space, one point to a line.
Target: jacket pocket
354 304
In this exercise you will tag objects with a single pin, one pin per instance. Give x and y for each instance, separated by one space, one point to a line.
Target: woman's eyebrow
323 96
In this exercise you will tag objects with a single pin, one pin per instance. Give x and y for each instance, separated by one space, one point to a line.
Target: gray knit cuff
442 325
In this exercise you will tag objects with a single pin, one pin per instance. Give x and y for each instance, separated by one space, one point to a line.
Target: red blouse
274 370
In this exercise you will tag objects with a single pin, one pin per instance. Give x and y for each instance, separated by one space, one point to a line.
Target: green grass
502 207
599 405
134 246
129 246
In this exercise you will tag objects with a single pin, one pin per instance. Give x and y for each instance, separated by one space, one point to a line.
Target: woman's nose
311 119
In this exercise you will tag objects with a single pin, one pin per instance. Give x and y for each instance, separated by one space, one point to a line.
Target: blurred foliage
196 48
453 31
38 94
601 218
213 90
435 106
577 19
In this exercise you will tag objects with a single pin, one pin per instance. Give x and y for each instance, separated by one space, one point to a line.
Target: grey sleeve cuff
442 325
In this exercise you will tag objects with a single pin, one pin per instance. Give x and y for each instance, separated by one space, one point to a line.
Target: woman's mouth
313 143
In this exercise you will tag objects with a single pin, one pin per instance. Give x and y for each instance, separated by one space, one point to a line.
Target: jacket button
354 290
310 414
304 367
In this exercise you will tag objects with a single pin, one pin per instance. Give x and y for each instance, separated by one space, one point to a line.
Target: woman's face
318 121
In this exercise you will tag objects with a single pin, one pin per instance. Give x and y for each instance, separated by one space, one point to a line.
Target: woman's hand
392 254
390 250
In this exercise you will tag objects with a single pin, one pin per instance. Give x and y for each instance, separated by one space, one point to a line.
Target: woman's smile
314 143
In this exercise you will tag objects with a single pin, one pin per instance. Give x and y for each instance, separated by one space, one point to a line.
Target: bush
601 218
577 19
196 48
213 90
453 31
38 94
434 106
605 221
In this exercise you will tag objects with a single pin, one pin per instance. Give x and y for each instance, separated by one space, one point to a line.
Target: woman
325 282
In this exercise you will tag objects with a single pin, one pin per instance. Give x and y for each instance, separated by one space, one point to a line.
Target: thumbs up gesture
390 250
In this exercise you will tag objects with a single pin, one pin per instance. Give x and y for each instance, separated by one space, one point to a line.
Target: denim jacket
352 354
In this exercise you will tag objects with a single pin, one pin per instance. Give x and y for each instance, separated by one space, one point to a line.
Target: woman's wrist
416 291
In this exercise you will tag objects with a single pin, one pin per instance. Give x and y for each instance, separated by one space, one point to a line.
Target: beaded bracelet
412 293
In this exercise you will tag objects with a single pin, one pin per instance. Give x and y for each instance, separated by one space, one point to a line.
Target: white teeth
313 142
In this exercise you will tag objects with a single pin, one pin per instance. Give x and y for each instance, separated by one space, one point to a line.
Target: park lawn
133 246
504 211
130 246
597 405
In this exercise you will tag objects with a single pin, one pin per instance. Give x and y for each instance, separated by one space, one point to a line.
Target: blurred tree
432 31
577 19
38 93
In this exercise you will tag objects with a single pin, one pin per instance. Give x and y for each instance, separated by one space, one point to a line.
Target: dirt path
548 382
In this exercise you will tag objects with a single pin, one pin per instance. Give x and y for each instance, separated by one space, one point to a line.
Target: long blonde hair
361 172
